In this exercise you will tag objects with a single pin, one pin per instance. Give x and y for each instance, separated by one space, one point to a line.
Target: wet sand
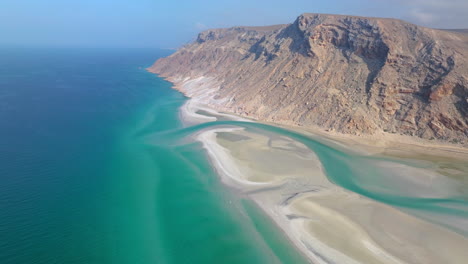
331 224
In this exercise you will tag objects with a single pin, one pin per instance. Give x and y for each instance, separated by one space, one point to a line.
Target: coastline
292 200
299 204
202 90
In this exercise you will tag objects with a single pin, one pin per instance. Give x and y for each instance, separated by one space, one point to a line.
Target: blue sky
169 24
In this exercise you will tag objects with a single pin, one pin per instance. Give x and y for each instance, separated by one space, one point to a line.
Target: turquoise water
81 185
360 173
81 182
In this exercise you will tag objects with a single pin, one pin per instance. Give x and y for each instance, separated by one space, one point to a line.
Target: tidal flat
342 204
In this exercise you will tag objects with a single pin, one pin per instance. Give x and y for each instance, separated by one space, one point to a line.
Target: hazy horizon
168 25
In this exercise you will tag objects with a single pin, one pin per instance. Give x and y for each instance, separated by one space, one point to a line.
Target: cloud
434 13
422 16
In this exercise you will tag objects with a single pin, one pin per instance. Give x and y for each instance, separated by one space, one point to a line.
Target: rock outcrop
349 74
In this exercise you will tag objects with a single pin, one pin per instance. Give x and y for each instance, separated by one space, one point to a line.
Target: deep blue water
80 185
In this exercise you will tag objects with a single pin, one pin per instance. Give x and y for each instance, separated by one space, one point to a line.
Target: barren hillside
351 74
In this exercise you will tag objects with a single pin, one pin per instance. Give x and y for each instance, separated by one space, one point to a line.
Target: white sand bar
328 223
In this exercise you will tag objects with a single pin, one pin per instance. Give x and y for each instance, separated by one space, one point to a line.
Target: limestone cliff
350 74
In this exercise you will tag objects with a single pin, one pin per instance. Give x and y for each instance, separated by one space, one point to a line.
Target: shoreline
300 212
232 177
203 89
292 214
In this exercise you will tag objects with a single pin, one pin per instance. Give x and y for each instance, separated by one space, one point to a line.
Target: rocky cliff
349 74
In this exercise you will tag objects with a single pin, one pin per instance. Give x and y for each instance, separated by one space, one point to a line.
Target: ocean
97 167
80 184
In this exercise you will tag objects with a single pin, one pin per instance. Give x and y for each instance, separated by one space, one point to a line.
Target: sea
96 167
80 182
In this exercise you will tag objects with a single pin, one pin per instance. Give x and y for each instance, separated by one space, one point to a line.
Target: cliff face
350 74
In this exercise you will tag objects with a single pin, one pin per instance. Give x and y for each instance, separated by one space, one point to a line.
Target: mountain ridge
350 74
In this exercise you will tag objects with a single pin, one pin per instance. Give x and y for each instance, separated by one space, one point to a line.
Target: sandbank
326 222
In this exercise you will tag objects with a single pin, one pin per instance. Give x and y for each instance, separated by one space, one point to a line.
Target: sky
172 23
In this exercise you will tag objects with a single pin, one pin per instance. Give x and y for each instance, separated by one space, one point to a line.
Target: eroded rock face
350 74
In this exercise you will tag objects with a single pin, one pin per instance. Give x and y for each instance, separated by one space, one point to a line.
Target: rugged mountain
350 74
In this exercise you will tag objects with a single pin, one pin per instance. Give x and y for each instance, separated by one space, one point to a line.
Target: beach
384 221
